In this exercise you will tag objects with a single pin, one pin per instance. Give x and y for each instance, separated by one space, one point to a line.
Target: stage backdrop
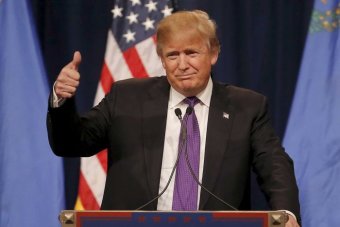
262 45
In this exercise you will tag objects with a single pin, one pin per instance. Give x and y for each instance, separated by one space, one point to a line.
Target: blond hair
180 21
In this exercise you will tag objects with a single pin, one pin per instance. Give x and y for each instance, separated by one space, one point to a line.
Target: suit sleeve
71 135
273 166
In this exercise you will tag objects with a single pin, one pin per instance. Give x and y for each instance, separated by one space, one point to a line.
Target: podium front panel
172 219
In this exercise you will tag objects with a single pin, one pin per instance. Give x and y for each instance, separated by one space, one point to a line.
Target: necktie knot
191 101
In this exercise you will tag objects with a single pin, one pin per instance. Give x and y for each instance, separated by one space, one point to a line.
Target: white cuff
55 101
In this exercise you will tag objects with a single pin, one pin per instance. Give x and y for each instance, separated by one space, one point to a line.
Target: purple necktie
186 188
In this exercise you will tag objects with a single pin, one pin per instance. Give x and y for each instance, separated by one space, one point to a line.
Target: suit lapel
154 122
218 133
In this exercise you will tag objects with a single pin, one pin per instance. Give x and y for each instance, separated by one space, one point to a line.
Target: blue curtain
31 177
313 131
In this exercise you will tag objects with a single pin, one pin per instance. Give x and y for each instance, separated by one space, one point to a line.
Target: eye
192 53
172 55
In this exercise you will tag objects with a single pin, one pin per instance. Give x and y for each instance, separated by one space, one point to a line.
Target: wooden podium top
72 218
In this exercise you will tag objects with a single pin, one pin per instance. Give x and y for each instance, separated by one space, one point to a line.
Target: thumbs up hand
68 79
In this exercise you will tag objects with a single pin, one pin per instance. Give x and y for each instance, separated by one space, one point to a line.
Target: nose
182 62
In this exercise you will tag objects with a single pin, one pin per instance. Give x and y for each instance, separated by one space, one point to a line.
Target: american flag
130 52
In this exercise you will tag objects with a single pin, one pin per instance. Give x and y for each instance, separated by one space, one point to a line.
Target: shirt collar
204 96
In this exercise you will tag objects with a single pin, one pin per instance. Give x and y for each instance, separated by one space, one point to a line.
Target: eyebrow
186 51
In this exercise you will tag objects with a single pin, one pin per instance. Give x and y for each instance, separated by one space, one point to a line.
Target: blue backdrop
31 177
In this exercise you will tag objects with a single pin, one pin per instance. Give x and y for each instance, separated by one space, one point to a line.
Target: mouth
185 76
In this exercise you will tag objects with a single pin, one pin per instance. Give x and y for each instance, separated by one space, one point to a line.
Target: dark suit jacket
130 121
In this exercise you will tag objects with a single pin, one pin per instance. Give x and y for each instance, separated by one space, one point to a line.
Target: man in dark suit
137 122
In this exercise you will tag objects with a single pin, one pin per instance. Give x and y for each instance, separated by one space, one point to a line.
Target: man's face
187 62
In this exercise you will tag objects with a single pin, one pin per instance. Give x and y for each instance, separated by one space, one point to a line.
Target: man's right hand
68 79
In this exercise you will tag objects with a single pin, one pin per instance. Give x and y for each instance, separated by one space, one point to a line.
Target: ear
213 57
162 60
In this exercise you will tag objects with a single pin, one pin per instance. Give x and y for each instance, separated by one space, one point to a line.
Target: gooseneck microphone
183 142
201 185
178 113
183 132
188 112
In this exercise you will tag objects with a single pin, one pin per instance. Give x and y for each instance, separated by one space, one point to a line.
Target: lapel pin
225 115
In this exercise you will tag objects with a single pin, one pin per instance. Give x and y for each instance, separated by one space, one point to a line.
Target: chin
189 91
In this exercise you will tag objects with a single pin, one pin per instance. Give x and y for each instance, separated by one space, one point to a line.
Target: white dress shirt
171 141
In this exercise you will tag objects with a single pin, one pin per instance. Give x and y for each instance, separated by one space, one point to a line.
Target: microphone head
189 110
178 113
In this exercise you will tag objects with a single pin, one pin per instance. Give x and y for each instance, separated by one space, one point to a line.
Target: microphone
178 113
183 142
188 112
202 186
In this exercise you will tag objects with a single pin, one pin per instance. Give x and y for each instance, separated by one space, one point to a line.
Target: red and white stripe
138 61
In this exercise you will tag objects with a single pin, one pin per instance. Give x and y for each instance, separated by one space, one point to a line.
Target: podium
72 218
